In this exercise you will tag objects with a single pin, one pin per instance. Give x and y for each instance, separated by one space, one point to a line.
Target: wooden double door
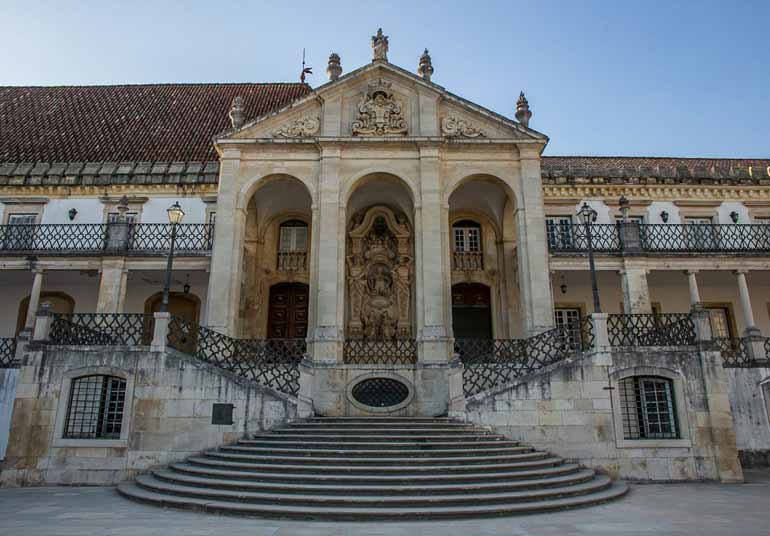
471 311
288 311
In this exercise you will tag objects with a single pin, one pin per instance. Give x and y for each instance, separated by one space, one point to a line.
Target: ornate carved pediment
379 276
304 127
457 127
379 113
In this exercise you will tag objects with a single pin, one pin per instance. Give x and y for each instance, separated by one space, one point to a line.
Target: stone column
327 336
223 297
636 293
431 277
533 257
748 313
692 283
112 286
34 298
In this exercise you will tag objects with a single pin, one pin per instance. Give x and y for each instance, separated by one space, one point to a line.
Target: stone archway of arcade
91 289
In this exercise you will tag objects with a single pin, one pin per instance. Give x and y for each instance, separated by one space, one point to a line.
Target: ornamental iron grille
95 409
669 329
736 352
94 238
156 237
376 351
565 237
647 408
489 363
380 392
587 333
7 351
273 363
572 237
102 329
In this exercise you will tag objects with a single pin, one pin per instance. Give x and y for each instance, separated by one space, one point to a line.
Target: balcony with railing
111 238
467 260
662 239
292 261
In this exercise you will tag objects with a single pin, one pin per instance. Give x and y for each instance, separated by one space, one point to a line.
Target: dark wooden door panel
288 313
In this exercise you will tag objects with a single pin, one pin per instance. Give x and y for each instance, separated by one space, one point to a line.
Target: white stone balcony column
748 313
636 292
692 283
34 299
327 334
112 286
431 268
534 274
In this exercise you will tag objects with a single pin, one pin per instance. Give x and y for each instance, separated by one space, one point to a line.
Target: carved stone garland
304 127
379 113
379 276
458 127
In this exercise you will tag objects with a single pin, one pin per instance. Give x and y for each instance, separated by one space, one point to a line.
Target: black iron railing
587 334
737 354
669 329
572 238
374 351
97 238
489 363
661 238
270 362
7 351
97 329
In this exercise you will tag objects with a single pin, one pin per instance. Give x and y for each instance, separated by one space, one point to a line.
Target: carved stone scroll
457 127
304 127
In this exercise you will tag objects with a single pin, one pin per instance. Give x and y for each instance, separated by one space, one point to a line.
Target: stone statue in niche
379 276
379 114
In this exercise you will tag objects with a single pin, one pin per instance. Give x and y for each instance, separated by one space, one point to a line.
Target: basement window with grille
95 409
647 407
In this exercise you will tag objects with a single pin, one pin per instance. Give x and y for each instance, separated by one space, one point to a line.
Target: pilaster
112 286
534 276
636 292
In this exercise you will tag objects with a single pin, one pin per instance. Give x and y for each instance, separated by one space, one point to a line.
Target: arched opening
277 248
483 255
60 303
288 311
379 267
471 311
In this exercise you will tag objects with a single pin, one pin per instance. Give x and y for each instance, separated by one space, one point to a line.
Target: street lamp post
587 215
175 215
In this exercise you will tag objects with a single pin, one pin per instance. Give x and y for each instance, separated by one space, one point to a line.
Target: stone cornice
659 192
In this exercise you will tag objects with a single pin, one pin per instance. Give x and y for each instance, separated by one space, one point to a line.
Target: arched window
95 408
467 245
292 246
647 408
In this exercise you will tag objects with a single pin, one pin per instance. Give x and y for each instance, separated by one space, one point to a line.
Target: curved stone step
378 445
303 438
329 458
369 469
282 475
135 492
175 476
371 453
419 431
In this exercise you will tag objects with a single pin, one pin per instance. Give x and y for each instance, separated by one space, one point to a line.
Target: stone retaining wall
749 401
169 399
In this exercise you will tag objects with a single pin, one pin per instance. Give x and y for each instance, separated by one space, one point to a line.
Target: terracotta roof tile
159 122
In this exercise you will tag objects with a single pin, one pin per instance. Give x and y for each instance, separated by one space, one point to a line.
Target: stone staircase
379 468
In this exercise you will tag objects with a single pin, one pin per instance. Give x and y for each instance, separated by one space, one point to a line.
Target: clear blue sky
603 78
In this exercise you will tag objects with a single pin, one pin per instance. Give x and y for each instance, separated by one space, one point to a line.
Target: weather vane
305 70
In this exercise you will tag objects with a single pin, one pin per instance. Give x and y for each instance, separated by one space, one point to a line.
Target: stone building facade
380 220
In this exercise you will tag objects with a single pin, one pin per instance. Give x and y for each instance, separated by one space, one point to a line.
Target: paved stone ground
670 509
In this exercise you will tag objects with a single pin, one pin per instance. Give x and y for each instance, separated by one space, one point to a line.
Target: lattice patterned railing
489 363
669 329
7 351
92 238
736 352
372 351
156 237
96 329
587 333
270 362
573 238
705 238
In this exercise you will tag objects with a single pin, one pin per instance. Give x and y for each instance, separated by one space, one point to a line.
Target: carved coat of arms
379 114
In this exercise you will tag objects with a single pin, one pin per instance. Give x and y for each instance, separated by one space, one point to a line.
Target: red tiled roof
157 122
